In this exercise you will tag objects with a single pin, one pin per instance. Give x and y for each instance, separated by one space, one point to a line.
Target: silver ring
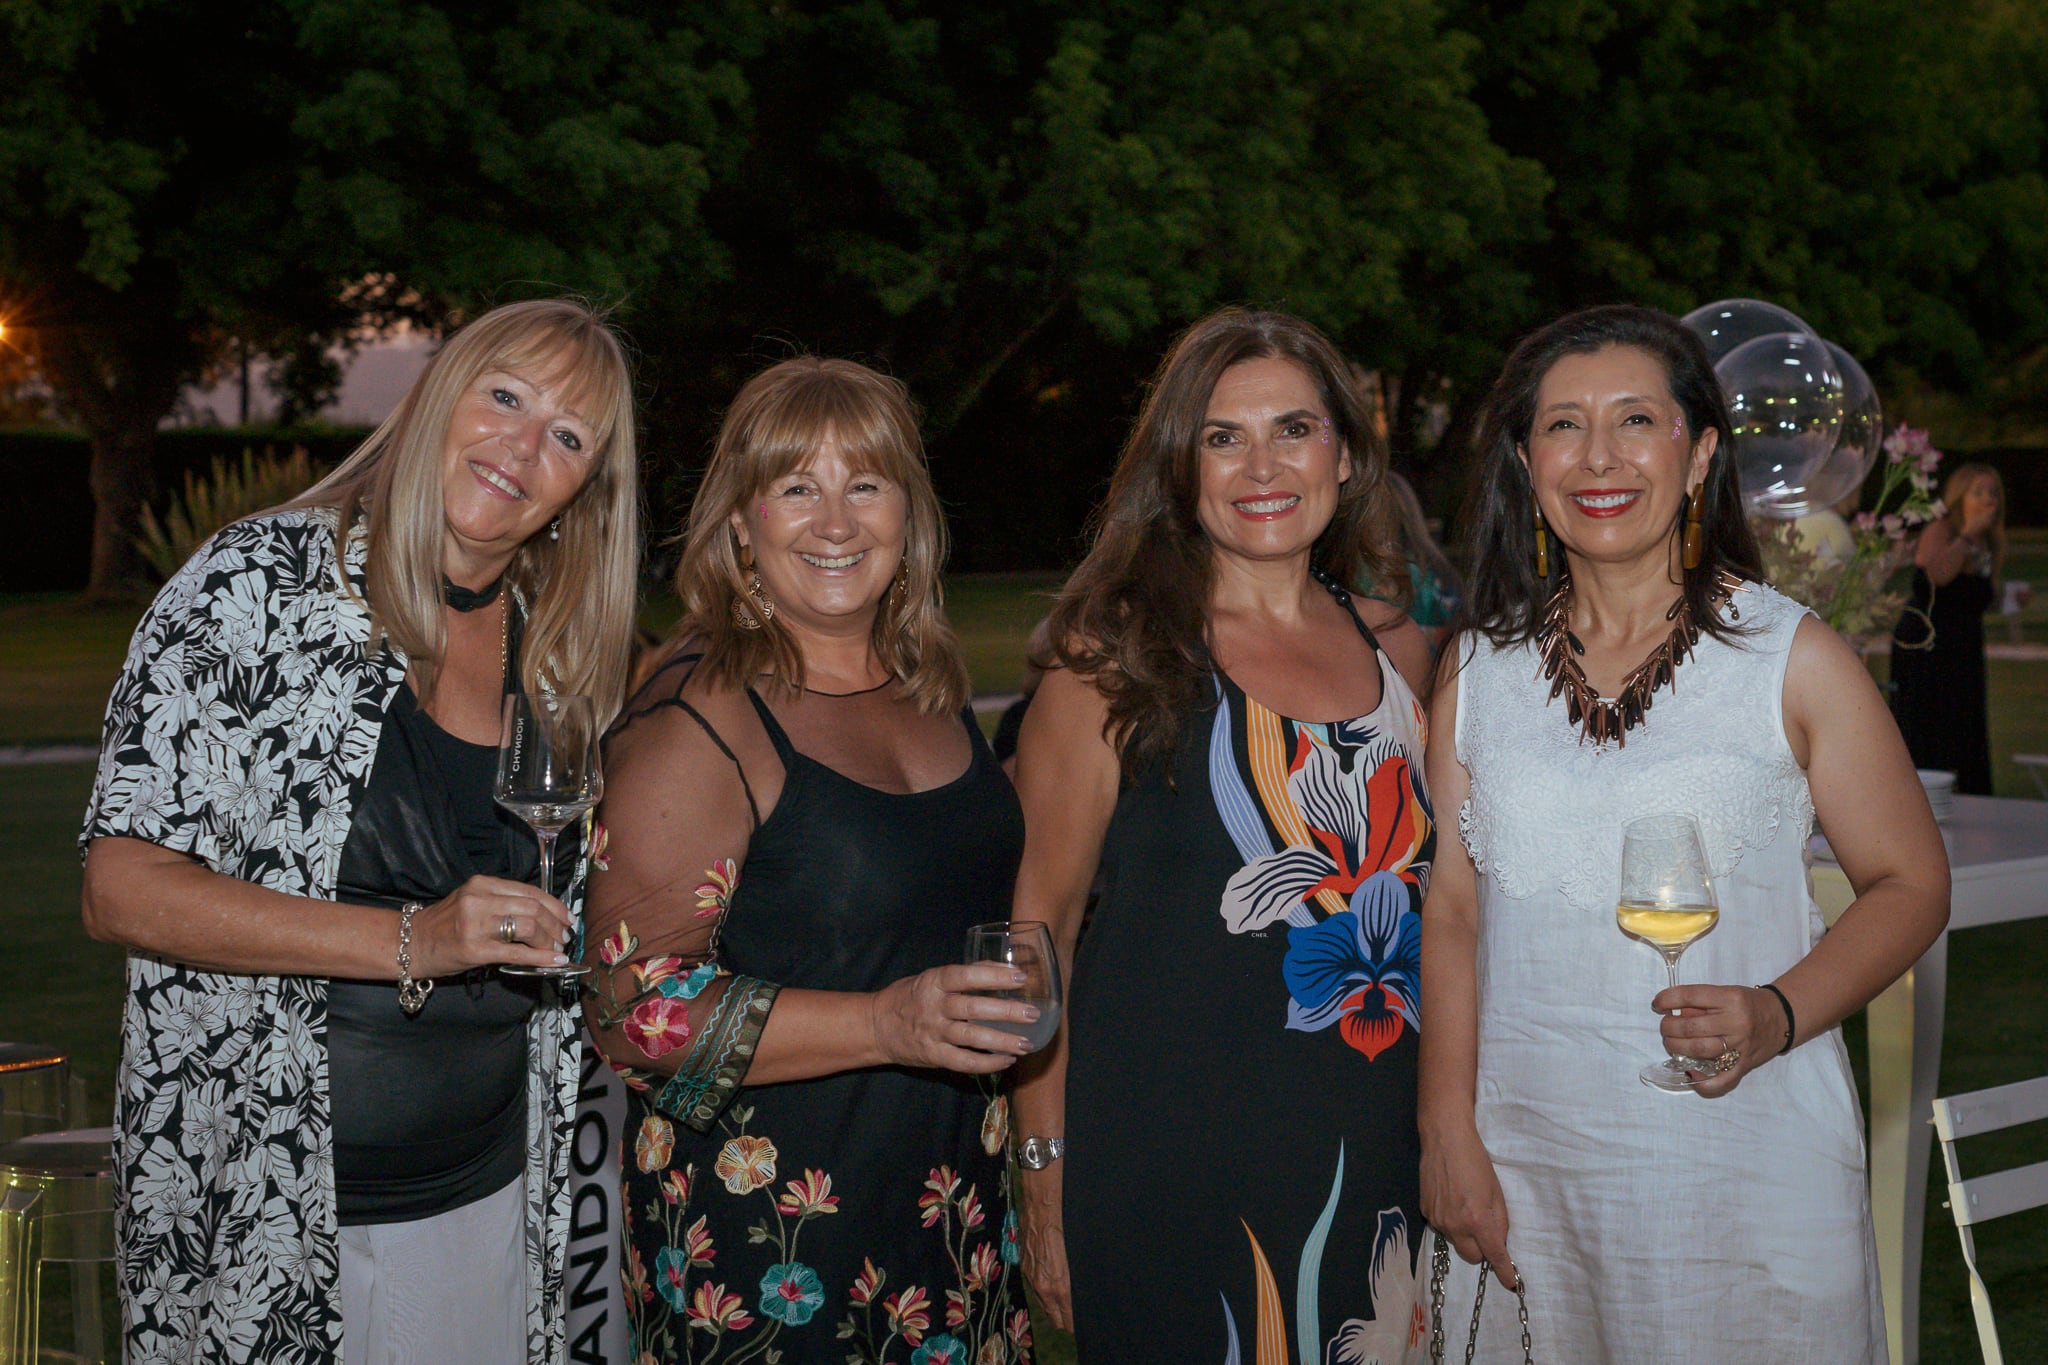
508 930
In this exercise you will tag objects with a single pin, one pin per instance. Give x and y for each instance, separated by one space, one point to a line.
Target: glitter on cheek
1326 431
764 511
1678 430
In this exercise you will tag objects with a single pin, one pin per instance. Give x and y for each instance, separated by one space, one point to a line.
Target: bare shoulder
1401 638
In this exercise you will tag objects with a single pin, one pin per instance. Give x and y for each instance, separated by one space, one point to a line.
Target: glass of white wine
548 776
1027 946
1667 901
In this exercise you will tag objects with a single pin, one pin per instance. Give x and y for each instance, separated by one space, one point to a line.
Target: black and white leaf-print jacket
242 731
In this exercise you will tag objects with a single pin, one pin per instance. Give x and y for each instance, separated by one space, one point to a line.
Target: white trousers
446 1290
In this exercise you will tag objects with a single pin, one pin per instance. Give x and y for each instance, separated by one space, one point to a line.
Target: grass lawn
58 987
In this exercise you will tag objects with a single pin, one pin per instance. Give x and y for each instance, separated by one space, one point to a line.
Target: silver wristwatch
1037 1153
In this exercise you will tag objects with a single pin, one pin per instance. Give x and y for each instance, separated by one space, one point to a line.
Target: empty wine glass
1027 946
1667 901
548 776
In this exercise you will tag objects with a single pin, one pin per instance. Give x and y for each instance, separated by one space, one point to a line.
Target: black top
1938 681
429 1112
845 888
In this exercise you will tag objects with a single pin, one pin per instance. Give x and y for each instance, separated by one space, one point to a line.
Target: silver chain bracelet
412 995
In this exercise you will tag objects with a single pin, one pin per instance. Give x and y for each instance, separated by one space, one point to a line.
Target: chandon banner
598 1331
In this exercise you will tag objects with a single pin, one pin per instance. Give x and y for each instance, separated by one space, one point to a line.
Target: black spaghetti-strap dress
1241 1169
896 1243
1938 678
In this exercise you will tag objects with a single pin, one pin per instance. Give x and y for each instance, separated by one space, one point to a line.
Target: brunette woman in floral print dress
1220 1148
801 821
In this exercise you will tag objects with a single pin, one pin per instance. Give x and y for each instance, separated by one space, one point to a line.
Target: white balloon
1857 446
1785 398
1728 323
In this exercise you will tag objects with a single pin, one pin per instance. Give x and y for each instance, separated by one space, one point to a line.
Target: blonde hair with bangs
773 427
579 590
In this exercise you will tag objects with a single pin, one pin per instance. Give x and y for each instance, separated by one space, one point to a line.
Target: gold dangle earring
1695 534
900 592
1542 548
763 604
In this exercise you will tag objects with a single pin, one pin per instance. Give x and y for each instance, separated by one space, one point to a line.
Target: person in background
339 1134
1232 740
1937 660
1434 591
800 823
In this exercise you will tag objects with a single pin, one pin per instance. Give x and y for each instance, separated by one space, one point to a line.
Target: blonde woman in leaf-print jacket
240 744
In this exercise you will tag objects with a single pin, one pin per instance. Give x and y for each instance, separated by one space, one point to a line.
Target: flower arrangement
1846 581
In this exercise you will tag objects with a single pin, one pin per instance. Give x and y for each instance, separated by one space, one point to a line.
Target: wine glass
548 776
1667 901
1026 945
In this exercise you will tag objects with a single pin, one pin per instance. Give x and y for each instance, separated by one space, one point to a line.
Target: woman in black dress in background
801 820
1937 665
1220 1149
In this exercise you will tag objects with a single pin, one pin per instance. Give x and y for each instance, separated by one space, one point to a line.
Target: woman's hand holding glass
937 1019
468 929
1745 1023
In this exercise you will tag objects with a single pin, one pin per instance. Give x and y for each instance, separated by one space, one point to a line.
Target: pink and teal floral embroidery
791 1293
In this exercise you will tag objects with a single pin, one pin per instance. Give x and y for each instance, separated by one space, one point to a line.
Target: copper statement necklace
1599 719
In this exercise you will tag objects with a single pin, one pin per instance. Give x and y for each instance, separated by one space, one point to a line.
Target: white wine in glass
548 776
1667 901
1027 946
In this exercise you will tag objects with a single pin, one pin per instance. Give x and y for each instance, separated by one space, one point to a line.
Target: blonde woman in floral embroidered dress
801 821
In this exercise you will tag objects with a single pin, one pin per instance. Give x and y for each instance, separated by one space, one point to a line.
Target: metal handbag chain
1439 1268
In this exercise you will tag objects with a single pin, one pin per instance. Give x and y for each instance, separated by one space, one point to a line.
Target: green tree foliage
1010 206
175 176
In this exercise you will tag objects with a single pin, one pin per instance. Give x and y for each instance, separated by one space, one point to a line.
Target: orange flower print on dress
909 1312
865 1285
995 1125
600 846
617 946
697 1248
714 893
656 1139
658 1025
714 1310
938 1193
746 1163
812 1194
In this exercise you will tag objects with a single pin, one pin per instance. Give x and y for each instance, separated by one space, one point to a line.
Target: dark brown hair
1133 618
1506 597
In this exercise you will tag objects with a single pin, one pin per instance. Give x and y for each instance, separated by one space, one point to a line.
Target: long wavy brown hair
777 422
1133 618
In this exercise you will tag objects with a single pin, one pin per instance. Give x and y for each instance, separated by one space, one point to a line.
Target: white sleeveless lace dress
1655 1229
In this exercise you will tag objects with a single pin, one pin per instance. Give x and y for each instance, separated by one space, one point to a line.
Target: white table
1998 860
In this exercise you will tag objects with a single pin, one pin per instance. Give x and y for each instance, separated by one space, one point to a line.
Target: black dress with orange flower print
862 1216
1241 1179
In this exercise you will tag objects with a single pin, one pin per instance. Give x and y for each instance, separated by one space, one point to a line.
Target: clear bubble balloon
1785 398
1731 322
1856 450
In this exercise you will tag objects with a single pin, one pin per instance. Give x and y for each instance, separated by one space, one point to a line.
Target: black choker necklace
469 599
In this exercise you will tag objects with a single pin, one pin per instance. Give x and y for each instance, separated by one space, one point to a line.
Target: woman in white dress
1614 570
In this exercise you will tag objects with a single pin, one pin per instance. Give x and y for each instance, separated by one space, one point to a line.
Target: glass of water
1027 946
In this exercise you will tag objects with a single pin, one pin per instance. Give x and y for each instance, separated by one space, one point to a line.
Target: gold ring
1727 1060
508 930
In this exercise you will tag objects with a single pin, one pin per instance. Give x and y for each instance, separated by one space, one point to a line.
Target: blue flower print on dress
691 986
940 1350
1358 969
671 1273
791 1293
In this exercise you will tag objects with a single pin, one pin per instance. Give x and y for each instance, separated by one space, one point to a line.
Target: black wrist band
1791 1024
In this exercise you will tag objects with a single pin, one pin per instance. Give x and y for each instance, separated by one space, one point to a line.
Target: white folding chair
1990 1196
